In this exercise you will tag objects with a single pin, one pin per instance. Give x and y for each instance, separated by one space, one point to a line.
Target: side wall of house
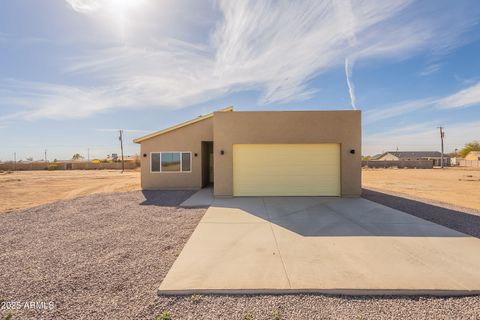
189 139
389 157
343 127
473 155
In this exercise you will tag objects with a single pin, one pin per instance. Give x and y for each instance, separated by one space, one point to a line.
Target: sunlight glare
120 12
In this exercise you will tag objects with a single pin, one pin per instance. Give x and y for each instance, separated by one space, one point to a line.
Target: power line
121 148
442 136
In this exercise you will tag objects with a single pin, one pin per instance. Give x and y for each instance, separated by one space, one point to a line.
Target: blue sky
72 72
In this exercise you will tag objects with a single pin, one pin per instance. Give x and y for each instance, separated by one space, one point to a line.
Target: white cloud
421 137
351 88
467 97
430 69
86 6
382 113
464 98
124 130
273 47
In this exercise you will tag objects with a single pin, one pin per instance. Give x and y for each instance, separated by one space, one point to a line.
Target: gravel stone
103 257
465 220
96 257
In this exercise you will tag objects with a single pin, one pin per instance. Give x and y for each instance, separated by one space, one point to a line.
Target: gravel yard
96 257
465 220
103 257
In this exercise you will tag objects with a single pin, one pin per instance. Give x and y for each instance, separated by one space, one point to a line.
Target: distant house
473 155
415 155
376 157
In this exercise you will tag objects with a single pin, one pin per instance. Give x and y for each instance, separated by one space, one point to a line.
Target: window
171 161
186 161
155 161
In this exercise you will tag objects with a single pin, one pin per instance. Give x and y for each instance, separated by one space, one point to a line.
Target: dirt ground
26 189
456 186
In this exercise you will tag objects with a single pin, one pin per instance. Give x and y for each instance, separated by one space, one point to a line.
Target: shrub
471 146
52 167
277 315
164 316
196 298
7 315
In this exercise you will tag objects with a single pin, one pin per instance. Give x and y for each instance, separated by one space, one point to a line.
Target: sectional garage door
286 169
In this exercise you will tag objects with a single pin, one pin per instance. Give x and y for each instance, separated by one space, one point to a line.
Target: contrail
351 87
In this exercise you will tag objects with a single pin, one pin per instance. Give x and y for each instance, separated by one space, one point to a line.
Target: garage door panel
286 169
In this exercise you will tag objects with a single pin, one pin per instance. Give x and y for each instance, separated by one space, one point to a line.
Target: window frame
181 161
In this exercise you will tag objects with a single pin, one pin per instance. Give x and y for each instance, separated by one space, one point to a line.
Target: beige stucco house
257 153
473 155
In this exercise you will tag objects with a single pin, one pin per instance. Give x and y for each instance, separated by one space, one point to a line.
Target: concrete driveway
326 245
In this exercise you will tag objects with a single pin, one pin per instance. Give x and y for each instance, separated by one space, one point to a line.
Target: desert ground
26 189
455 186
103 255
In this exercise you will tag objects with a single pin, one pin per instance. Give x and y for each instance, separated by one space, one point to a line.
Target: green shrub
52 167
7 315
196 298
164 316
248 316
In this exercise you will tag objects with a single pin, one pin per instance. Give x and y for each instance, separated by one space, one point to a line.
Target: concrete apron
277 245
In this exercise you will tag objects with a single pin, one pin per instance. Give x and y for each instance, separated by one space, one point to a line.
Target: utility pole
45 155
442 136
14 161
121 148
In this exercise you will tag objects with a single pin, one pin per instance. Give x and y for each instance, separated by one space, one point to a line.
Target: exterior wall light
222 152
144 155
352 151
195 154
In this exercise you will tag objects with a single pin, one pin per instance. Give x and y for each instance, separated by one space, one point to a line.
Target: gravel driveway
103 257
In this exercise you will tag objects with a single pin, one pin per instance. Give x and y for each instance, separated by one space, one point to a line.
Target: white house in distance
414 155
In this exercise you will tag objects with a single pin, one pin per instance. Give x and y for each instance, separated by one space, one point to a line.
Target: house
257 153
473 155
414 155
116 158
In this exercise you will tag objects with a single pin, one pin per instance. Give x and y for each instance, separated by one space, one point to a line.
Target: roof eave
181 125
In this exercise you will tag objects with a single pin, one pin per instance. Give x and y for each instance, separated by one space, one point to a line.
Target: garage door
286 169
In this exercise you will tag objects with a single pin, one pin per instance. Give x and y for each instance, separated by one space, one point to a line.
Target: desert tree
471 146
77 156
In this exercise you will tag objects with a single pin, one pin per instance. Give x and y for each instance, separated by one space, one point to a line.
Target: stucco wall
188 138
473 155
342 127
